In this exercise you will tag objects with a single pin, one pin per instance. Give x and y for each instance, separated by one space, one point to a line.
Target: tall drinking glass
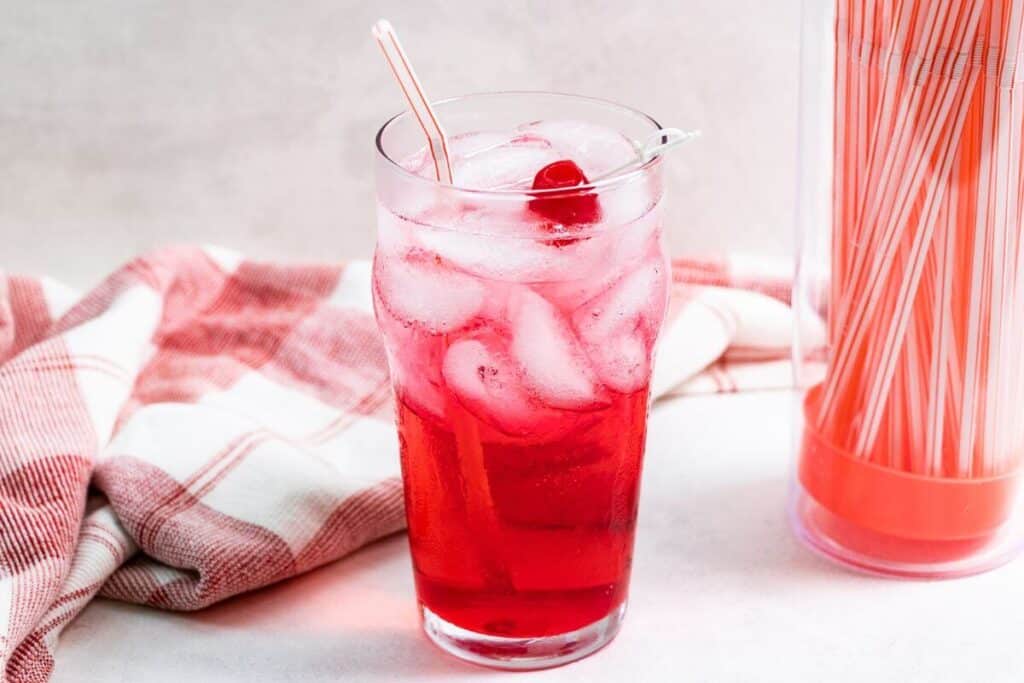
519 309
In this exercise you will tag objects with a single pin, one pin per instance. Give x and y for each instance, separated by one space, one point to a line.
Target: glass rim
619 178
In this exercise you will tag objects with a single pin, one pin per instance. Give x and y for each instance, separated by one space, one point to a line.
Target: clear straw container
910 284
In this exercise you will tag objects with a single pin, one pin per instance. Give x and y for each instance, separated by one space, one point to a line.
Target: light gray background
129 123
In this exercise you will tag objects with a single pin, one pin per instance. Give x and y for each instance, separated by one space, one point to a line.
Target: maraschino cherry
564 211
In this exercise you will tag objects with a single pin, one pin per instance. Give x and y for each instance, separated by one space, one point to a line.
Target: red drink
520 324
543 527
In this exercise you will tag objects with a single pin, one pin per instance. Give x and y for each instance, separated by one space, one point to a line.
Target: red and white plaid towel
233 422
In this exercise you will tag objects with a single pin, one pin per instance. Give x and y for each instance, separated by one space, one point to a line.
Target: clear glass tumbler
910 286
519 325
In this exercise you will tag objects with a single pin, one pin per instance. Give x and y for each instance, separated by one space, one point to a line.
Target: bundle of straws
926 306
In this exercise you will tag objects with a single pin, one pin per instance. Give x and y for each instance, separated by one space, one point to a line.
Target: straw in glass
419 105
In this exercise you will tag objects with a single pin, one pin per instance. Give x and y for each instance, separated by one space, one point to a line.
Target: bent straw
401 67
996 417
940 334
897 329
894 335
870 239
877 388
838 181
980 282
1011 396
911 158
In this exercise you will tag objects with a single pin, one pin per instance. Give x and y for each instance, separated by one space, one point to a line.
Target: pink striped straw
906 164
928 255
401 67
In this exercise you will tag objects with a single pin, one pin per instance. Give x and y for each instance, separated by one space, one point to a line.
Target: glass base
880 554
522 654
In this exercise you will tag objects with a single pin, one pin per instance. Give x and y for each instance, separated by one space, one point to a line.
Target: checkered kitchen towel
200 425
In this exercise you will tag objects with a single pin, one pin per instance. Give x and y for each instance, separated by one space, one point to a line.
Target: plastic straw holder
910 285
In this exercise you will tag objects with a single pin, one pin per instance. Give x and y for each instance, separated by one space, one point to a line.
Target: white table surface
721 592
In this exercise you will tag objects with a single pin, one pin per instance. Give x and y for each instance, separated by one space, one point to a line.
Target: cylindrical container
519 308
910 285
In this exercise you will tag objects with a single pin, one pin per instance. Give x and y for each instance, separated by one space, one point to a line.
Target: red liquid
523 536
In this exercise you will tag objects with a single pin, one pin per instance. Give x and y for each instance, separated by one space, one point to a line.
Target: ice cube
419 163
466 145
595 148
411 198
485 157
414 359
571 293
618 327
510 258
622 361
630 301
419 390
621 250
488 384
629 201
554 365
481 255
394 233
510 165
637 239
421 289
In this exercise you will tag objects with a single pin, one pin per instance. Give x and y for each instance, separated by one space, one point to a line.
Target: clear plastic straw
412 89
655 145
